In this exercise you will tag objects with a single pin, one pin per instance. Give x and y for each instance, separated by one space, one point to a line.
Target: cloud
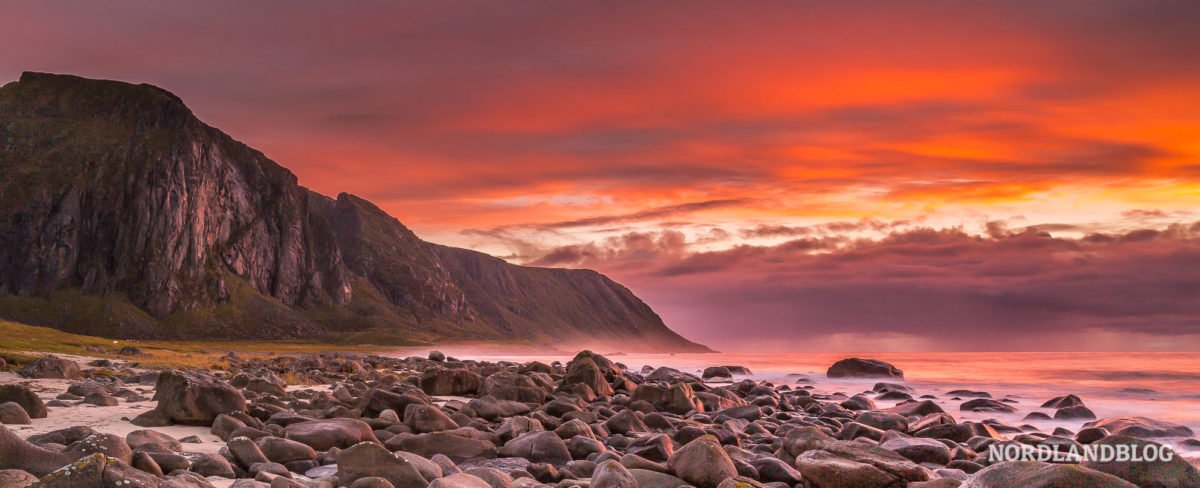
644 215
954 289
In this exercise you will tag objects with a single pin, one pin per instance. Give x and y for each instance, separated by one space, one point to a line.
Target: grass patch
20 343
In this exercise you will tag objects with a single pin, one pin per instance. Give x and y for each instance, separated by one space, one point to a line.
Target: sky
769 176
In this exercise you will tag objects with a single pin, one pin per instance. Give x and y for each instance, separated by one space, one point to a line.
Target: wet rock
1078 412
986 405
1063 402
863 368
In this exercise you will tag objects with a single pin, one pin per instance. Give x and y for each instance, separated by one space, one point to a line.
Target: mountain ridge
125 215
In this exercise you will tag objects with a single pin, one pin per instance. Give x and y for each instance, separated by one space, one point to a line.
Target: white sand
107 420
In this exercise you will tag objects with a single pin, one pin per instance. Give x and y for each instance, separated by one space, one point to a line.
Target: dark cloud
958 291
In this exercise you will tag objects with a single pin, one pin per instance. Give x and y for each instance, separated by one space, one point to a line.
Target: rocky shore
368 421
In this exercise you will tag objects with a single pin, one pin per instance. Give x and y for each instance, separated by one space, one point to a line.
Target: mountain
123 215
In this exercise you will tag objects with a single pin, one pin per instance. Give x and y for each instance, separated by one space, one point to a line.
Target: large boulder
702 462
1175 473
455 381
98 470
863 368
455 447
427 418
539 447
191 400
1141 427
51 367
17 453
460 480
610 474
857 464
986 405
26 398
13 414
919 450
584 371
283 451
326 434
376 401
1030 474
369 459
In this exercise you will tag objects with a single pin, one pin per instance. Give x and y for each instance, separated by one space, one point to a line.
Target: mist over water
1159 385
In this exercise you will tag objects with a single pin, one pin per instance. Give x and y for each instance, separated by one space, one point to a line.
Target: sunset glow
947 172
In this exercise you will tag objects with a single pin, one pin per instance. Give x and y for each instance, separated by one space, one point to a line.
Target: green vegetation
19 343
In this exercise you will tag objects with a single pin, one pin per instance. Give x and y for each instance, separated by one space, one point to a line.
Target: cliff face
123 214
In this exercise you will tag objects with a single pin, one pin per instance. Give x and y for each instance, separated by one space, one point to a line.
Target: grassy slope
19 343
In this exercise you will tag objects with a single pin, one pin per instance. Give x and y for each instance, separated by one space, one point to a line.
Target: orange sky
525 128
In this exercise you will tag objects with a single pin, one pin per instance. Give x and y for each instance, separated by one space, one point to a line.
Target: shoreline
474 401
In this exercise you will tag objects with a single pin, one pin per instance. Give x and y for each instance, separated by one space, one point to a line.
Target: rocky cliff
122 214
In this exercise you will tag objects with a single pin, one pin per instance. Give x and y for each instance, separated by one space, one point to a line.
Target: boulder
191 400
1077 412
1141 427
986 405
443 381
15 478
326 434
26 398
1175 473
1030 474
369 459
16 453
539 447
423 419
919 450
702 462
585 371
51 367
99 470
459 480
13 414
1063 402
610 474
860 464
455 447
141 438
863 368
283 451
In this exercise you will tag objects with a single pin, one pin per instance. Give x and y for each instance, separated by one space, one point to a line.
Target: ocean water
1162 386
